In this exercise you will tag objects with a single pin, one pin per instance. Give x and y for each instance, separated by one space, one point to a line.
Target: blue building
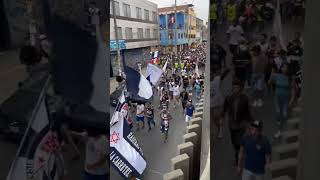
182 36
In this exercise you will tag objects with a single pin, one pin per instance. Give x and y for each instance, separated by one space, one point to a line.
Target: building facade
199 30
177 30
138 31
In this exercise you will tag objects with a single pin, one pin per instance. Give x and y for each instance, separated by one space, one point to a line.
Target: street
157 153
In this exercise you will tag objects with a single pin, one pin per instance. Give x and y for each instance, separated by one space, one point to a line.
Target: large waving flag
153 73
126 155
137 84
39 156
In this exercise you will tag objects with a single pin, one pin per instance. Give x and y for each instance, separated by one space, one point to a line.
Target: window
139 13
111 9
119 31
140 33
154 16
147 34
129 33
117 8
155 33
146 15
160 37
178 35
126 10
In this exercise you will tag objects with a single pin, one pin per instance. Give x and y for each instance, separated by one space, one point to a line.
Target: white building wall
143 4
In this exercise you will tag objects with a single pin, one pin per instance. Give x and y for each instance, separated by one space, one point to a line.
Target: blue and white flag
137 84
126 155
153 73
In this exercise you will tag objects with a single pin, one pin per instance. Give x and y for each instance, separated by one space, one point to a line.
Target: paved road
157 153
222 156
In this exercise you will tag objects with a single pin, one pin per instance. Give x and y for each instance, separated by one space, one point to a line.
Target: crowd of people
261 65
179 84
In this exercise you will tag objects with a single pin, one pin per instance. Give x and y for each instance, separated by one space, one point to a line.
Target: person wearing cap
236 108
189 110
255 153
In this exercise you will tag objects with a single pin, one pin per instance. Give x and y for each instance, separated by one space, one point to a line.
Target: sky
200 6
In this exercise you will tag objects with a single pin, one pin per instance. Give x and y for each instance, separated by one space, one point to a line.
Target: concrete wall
189 153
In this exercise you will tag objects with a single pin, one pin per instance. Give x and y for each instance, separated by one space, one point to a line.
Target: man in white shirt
176 95
235 33
183 72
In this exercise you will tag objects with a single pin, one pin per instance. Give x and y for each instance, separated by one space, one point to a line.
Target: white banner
154 73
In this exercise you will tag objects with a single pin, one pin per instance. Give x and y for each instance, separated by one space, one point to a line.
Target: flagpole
32 118
175 27
116 34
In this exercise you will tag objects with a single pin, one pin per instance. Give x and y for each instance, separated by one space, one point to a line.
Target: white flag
164 68
154 73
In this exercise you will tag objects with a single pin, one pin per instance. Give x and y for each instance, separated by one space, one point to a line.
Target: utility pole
175 26
117 36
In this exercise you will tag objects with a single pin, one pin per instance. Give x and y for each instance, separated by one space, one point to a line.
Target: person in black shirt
236 107
241 61
295 53
184 98
150 115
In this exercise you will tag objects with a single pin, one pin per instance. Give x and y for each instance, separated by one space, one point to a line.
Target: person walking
189 110
259 64
236 108
176 95
140 115
282 83
198 89
184 95
150 115
255 153
235 33
217 100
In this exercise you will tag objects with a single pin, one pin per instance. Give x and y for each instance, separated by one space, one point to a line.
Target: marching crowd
180 82
260 67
